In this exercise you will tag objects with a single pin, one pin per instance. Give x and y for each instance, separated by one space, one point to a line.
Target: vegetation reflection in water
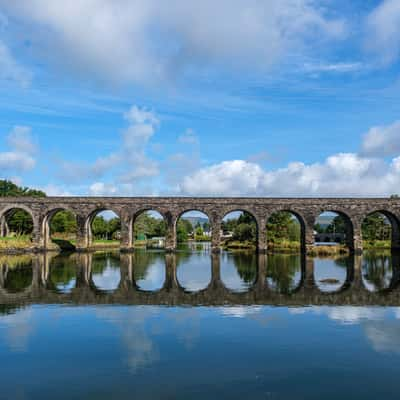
238 271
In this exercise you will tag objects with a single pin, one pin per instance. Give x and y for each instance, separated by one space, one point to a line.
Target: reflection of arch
394 223
348 223
45 229
282 271
348 263
300 220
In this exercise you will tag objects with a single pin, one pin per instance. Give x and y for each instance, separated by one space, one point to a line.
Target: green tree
63 222
376 227
283 225
19 221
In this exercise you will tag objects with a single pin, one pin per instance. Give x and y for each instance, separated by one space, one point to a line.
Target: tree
283 225
244 232
19 221
63 222
337 225
99 227
376 227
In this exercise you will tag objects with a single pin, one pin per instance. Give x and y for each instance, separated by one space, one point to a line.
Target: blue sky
274 98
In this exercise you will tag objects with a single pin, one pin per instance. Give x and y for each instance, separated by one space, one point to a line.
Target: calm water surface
196 325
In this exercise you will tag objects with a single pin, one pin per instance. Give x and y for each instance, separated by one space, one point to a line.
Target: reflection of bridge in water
41 290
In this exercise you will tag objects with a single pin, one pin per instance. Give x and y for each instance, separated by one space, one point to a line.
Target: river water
194 325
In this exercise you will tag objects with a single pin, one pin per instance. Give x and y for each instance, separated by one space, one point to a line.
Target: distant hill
325 220
195 220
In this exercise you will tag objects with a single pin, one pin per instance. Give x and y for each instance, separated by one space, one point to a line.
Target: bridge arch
145 224
17 218
193 225
47 229
102 232
240 227
287 224
339 227
381 225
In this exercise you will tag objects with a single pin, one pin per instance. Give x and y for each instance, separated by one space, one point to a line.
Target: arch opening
193 231
380 230
104 229
16 228
285 232
239 231
333 233
149 230
60 230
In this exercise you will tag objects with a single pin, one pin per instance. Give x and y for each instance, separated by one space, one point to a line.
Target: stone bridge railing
42 289
307 210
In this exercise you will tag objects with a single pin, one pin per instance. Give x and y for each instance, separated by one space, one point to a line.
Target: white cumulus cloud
20 157
382 141
150 40
383 30
340 174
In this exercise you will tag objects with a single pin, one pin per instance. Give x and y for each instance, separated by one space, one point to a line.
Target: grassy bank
377 245
237 245
16 243
284 246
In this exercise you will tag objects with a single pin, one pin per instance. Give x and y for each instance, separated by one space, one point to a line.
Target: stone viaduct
307 210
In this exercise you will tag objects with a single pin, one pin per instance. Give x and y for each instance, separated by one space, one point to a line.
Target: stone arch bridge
307 210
